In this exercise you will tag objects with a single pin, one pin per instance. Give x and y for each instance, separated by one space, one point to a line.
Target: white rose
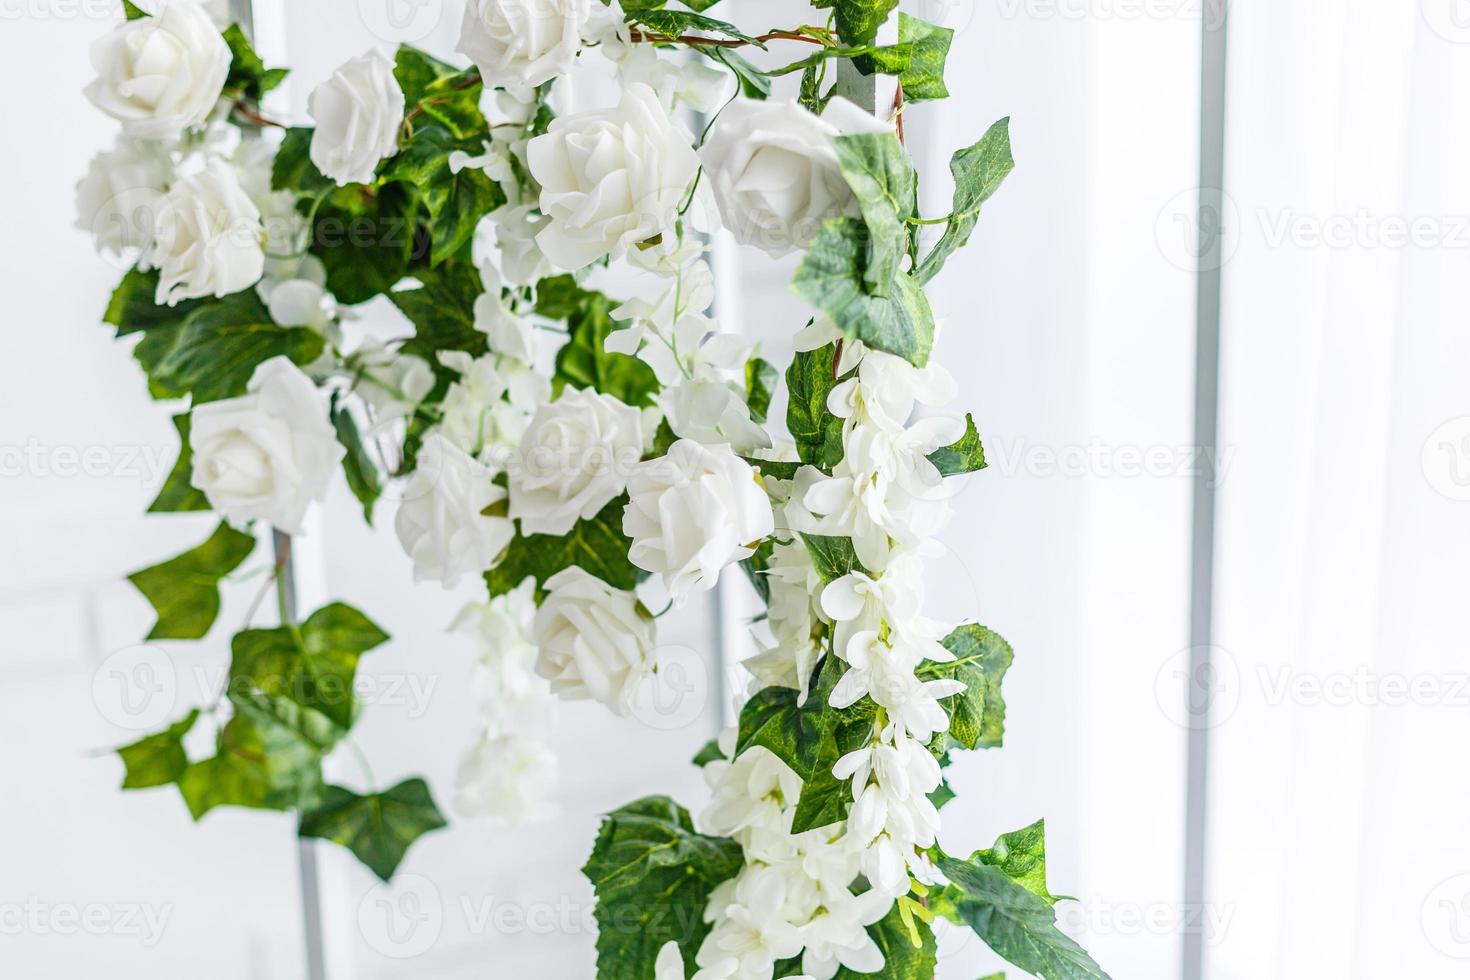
442 523
693 512
774 170
574 459
208 240
595 642
158 75
358 112
522 43
268 454
610 178
119 198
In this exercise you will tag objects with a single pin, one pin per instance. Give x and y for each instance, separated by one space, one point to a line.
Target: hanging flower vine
638 458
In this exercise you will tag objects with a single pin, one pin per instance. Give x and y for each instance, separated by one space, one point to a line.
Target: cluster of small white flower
795 894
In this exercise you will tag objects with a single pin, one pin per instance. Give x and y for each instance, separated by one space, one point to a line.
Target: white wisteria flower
574 458
501 628
506 779
670 966
752 923
774 170
358 113
595 642
119 198
208 239
610 178
509 333
693 512
487 410
162 74
442 523
393 384
522 43
267 454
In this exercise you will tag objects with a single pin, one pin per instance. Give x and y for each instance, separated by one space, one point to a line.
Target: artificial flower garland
645 461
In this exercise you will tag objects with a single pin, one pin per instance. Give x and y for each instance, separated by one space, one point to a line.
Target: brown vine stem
898 105
250 115
695 40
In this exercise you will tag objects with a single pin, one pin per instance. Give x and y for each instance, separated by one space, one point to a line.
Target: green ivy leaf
830 277
1021 854
673 23
596 544
262 762
1012 920
220 345
815 430
442 310
178 495
761 378
132 309
157 759
455 201
307 673
883 179
379 828
942 796
753 82
248 74
357 465
710 753
184 591
902 960
584 361
445 94
132 11
292 169
653 875
367 239
832 557
810 738
965 455
923 77
756 566
857 24
978 171
977 714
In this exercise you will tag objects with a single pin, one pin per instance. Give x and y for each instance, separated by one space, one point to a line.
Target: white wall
84 450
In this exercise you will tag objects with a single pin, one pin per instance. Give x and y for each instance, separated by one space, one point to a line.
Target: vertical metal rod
1206 434
242 12
308 875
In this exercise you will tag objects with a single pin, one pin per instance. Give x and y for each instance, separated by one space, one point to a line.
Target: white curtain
1337 824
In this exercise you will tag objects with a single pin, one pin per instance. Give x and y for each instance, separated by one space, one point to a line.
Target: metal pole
242 12
1206 434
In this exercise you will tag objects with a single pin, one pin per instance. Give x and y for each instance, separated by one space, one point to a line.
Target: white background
1337 843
